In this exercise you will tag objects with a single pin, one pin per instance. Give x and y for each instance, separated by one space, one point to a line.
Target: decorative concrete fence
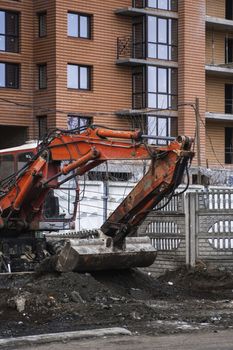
195 227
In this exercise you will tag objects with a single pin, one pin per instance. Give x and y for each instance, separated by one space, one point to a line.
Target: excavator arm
66 154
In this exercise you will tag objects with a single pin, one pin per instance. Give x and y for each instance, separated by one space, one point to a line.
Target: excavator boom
23 194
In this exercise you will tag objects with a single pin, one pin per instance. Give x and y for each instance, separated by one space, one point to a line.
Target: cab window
6 166
23 158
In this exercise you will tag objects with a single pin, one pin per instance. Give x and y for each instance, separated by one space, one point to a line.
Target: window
229 9
229 145
169 5
109 176
6 166
78 77
154 87
162 127
79 25
42 22
9 75
76 122
229 98
229 50
139 88
162 87
42 126
162 38
139 41
153 125
42 75
23 159
155 37
9 31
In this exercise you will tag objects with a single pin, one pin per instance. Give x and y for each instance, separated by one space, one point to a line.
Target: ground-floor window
78 122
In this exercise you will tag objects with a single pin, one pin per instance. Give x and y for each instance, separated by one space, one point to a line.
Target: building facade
119 63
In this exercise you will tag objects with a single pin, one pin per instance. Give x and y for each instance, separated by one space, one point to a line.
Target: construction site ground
178 302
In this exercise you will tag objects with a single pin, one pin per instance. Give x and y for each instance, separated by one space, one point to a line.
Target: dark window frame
42 32
229 10
79 119
89 20
42 126
169 128
7 85
172 98
89 77
229 98
9 168
42 81
172 49
9 36
172 5
169 95
139 72
228 145
139 44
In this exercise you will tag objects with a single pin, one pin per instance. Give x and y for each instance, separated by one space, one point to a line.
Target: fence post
190 228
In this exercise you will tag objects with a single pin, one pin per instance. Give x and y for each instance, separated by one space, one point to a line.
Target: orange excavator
66 154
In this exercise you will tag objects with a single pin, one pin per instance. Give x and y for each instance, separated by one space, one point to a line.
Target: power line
84 114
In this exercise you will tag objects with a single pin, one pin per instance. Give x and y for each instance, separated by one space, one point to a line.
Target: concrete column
190 228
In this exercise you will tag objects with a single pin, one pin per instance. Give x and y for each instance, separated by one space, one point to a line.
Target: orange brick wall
215 143
215 47
215 8
111 90
9 113
45 52
191 66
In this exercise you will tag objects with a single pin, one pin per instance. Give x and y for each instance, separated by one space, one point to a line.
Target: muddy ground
180 301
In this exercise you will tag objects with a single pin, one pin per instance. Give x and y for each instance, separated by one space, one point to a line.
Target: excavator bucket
95 254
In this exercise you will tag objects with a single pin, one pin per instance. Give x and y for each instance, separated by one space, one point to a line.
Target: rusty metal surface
100 254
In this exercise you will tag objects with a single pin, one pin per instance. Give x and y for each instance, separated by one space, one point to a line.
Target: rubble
180 301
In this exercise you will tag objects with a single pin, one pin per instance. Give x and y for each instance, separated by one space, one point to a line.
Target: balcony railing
127 48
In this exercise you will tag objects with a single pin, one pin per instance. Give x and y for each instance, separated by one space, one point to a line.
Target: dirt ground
178 302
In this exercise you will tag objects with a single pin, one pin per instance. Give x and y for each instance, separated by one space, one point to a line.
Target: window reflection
162 127
162 38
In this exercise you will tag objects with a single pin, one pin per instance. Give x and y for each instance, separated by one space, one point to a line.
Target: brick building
120 63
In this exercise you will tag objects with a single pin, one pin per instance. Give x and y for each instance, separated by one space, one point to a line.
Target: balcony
149 7
219 116
220 70
228 112
219 24
130 53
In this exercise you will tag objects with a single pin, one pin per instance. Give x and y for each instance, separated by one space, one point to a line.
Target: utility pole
198 139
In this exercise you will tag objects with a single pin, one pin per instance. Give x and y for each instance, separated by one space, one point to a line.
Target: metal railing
126 48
